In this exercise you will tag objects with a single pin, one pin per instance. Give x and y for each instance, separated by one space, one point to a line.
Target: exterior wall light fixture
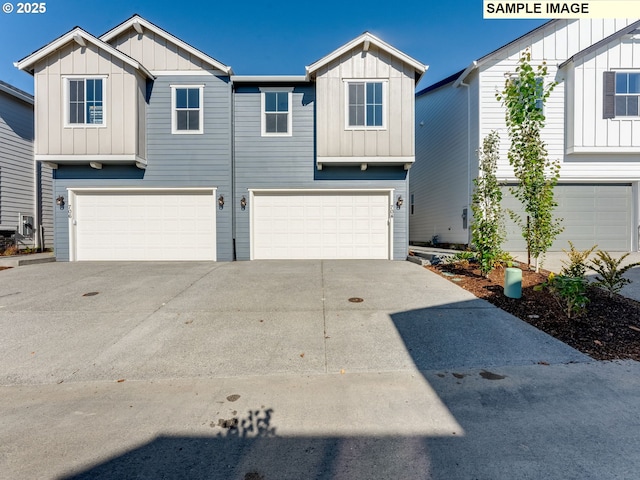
399 202
60 202
220 202
243 203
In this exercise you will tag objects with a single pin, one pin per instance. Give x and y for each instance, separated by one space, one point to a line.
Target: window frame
264 113
627 94
385 102
174 109
66 81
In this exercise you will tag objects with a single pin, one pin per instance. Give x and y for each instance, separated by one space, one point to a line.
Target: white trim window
366 104
187 112
627 94
276 116
85 100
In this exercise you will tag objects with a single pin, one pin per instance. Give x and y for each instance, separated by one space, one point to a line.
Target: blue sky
274 37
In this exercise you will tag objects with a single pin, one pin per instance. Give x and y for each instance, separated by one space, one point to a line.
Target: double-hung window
186 109
627 94
276 111
621 94
365 104
86 98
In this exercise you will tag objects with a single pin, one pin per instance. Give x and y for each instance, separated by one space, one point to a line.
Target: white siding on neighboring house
334 138
599 156
118 135
590 131
442 150
553 45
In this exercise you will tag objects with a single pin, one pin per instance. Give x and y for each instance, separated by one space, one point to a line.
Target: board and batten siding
156 53
439 178
553 45
198 160
119 134
589 131
335 139
289 163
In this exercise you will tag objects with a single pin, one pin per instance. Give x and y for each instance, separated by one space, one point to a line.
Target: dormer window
366 104
85 101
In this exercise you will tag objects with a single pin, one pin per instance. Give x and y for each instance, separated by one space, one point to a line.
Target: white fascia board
136 19
372 40
69 159
73 36
460 80
144 189
269 78
365 162
16 92
320 190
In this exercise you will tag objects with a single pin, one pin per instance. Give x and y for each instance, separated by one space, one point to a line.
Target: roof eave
28 62
138 20
419 68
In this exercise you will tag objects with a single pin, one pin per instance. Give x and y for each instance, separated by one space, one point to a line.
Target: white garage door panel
318 225
591 215
145 226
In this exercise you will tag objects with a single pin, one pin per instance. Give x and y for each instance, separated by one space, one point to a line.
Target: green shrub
610 272
570 292
577 264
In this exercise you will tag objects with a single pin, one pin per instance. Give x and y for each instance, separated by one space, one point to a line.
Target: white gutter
460 80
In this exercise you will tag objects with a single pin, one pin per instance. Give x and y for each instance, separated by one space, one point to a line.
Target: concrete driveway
266 370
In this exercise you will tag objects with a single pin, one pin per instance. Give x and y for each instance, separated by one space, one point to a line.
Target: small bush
10 250
577 264
570 292
462 258
610 272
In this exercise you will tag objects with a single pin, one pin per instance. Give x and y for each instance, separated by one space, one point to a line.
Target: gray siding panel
17 166
289 162
439 177
173 160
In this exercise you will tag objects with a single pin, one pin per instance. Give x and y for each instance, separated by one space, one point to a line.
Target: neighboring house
162 153
592 128
26 207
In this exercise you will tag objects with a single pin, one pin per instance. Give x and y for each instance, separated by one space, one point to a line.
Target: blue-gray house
161 152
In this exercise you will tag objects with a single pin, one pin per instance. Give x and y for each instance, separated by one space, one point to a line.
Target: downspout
233 169
37 207
466 85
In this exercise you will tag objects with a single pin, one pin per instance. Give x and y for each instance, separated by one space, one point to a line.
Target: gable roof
460 76
368 39
16 92
81 37
441 83
139 24
629 29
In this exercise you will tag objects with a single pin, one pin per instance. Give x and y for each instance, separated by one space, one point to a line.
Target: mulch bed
609 330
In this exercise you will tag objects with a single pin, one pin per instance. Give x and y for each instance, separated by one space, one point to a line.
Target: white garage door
320 225
591 215
143 224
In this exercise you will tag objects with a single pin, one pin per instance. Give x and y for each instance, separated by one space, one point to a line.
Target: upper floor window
365 104
621 94
86 101
276 111
627 93
186 109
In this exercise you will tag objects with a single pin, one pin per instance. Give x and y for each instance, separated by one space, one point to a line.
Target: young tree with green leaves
524 97
487 229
